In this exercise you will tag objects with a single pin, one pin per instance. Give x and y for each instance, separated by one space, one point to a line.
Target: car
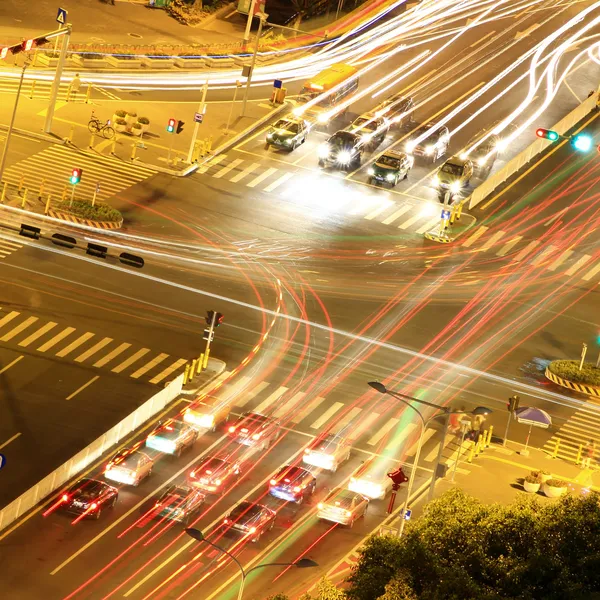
371 479
397 109
327 452
254 429
454 175
371 128
390 167
129 467
343 149
483 151
250 519
89 497
428 141
172 437
179 503
343 507
213 475
207 413
288 133
293 484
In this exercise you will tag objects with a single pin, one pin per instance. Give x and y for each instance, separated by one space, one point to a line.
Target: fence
81 460
518 162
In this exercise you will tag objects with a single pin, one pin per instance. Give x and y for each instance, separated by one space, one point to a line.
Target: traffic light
547 134
180 125
171 126
209 318
398 477
513 403
207 335
76 176
24 46
581 142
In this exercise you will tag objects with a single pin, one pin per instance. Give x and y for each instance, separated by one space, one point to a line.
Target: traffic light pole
12 120
262 20
249 21
211 330
66 33
201 110
438 461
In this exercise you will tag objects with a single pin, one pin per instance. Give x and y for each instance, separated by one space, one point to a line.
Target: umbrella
534 417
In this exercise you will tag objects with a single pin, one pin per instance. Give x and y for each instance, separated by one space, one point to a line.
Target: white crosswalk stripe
53 166
7 247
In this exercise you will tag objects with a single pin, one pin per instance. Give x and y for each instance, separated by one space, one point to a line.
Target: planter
66 216
137 131
219 62
553 492
119 127
45 61
545 477
145 127
532 488
88 63
189 63
131 119
157 63
127 63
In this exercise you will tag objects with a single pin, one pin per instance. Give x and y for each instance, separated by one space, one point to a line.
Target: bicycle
96 126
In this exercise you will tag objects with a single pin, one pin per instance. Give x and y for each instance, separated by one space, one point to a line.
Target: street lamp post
262 20
380 387
303 563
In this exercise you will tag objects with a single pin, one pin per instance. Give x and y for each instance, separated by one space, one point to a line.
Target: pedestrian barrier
579 453
556 447
513 166
88 455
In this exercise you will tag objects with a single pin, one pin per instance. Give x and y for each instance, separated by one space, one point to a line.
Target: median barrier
489 186
88 455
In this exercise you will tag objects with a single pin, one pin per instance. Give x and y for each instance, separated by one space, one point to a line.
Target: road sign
445 214
2 460
97 187
198 117
407 514
246 71
61 16
278 84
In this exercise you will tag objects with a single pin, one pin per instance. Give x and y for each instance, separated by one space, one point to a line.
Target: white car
129 467
327 453
371 479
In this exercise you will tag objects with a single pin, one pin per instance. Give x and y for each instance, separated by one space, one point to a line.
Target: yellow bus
334 83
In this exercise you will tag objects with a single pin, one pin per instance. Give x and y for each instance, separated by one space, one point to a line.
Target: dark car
429 143
172 437
89 497
179 503
250 519
293 484
398 110
371 129
483 151
287 133
343 150
213 475
254 429
390 167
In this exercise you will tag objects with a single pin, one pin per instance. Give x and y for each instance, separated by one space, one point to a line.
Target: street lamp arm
275 564
237 562
400 396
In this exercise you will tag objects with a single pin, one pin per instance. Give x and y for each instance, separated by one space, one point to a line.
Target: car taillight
287 480
273 481
94 506
256 436
218 482
252 529
297 488
65 498
231 429
226 521
244 430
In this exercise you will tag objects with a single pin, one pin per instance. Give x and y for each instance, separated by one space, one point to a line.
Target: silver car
343 507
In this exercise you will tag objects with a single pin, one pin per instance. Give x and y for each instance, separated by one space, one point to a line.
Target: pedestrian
75 85
454 420
588 454
479 423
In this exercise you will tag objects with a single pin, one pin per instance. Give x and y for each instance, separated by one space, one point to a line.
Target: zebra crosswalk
7 247
368 430
52 167
50 338
554 259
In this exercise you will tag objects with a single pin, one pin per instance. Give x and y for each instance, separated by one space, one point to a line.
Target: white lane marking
400 437
266 403
387 427
560 260
310 407
75 344
129 361
509 245
37 334
428 225
556 216
244 173
397 214
95 348
16 330
576 266
526 251
10 364
261 177
257 389
475 236
9 440
410 222
149 365
426 436
492 241
232 165
9 317
346 419
327 415
57 338
211 163
591 272
114 353
278 182
284 408
543 255
170 369
385 205
71 396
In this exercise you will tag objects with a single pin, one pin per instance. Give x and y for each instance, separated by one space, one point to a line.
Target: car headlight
410 146
323 151
365 138
269 136
455 187
344 157
429 150
481 162
436 180
390 177
323 118
288 141
371 171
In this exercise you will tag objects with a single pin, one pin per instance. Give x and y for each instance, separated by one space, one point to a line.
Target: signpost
198 118
61 16
407 514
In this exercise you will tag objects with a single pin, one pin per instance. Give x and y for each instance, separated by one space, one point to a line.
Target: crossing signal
180 125
581 142
513 403
171 126
24 46
547 134
76 176
209 318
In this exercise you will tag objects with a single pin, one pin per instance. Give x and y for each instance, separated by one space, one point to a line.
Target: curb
192 391
57 214
590 390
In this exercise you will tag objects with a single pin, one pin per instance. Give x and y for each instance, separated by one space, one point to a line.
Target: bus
335 83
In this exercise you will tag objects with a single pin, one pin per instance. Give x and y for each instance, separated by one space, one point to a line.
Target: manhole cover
135 35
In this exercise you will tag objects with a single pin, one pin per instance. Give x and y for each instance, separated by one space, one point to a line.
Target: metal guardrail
488 187
95 450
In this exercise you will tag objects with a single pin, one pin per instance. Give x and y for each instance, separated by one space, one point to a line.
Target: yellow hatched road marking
75 344
57 338
37 334
16 330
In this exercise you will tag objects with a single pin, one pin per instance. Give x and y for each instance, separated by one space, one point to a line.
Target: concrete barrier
488 187
95 450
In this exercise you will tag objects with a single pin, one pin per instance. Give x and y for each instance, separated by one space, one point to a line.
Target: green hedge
85 210
569 369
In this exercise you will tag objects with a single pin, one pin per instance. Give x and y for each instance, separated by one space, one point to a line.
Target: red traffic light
171 126
547 134
398 476
76 176
28 45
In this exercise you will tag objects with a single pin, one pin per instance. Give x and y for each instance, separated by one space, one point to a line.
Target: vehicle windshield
341 140
365 123
286 125
244 511
388 161
456 170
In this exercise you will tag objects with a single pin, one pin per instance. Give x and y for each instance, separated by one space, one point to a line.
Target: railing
88 455
518 162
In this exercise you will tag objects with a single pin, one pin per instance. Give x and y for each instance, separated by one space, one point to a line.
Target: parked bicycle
97 126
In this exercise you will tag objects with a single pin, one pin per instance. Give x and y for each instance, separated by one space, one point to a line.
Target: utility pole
57 77
263 18
249 21
12 119
213 320
438 462
201 111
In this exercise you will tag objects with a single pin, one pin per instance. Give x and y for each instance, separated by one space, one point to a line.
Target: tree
325 591
462 549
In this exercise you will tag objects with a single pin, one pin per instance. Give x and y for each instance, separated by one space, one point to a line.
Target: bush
144 120
136 126
569 369
132 114
557 483
120 122
126 56
99 212
92 56
121 113
538 474
532 479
